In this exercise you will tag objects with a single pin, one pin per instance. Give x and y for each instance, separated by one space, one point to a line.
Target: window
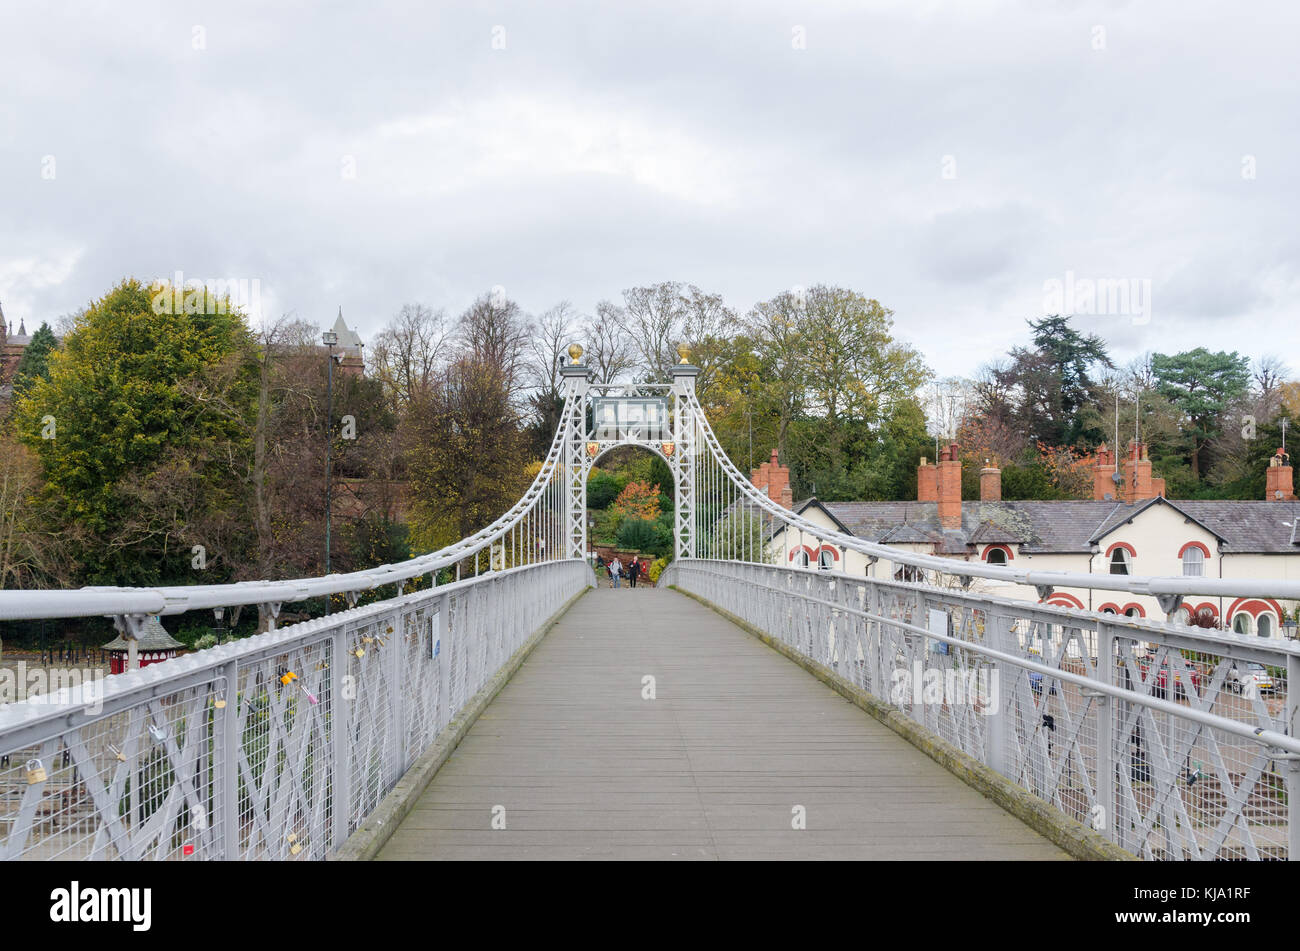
1108 610
1119 561
1241 623
1265 622
825 559
995 556
1133 612
908 573
801 558
1193 562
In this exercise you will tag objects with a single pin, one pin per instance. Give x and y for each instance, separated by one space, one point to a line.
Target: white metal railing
1160 737
274 747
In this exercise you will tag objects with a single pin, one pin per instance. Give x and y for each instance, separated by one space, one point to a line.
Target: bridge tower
655 416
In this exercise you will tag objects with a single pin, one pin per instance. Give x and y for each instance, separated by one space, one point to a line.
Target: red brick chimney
927 482
990 483
1139 483
1103 484
774 479
949 487
1279 483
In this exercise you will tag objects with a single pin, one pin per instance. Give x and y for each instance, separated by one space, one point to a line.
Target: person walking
633 570
615 567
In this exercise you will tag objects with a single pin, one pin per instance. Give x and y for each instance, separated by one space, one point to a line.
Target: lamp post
330 339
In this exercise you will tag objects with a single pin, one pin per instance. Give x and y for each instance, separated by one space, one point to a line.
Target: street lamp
330 339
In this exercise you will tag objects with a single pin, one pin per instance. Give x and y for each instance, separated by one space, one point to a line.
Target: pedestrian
633 570
614 569
600 561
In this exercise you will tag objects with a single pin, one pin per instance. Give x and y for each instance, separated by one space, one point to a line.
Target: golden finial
684 352
575 352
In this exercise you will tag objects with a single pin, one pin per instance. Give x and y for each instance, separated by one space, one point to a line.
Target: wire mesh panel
1173 742
277 747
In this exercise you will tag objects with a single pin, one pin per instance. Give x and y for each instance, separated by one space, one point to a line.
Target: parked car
1181 676
1242 678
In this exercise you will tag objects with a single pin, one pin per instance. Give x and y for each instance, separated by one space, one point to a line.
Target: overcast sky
949 159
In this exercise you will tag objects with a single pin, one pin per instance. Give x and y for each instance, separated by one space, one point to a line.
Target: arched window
825 559
995 556
1241 623
1133 612
1265 622
1108 610
1119 562
1193 562
801 558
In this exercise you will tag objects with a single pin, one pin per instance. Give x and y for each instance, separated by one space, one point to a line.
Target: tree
857 370
609 349
1054 391
467 461
637 500
116 425
410 351
34 363
494 334
662 316
1201 385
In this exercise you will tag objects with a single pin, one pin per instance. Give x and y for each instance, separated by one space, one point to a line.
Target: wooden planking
709 769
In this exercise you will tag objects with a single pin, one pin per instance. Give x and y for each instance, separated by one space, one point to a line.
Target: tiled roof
153 637
1249 526
1058 527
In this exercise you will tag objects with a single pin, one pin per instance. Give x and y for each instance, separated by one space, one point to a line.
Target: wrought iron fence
1174 742
276 747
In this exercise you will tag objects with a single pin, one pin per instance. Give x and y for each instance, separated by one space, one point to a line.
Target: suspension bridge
741 709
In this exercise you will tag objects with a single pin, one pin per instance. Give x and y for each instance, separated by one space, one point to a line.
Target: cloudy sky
949 159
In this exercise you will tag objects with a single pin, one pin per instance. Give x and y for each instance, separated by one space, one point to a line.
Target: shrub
657 568
637 534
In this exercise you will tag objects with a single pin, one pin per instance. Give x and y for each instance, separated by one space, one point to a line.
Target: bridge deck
710 769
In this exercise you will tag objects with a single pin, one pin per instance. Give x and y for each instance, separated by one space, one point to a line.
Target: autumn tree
467 462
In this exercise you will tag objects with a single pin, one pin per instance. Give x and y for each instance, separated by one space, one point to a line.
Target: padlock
367 640
295 849
360 653
219 704
35 772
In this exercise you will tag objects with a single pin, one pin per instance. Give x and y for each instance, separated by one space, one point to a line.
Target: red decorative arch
1255 607
812 553
1201 545
1132 552
1112 605
1203 606
835 552
1002 548
1133 604
1061 599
